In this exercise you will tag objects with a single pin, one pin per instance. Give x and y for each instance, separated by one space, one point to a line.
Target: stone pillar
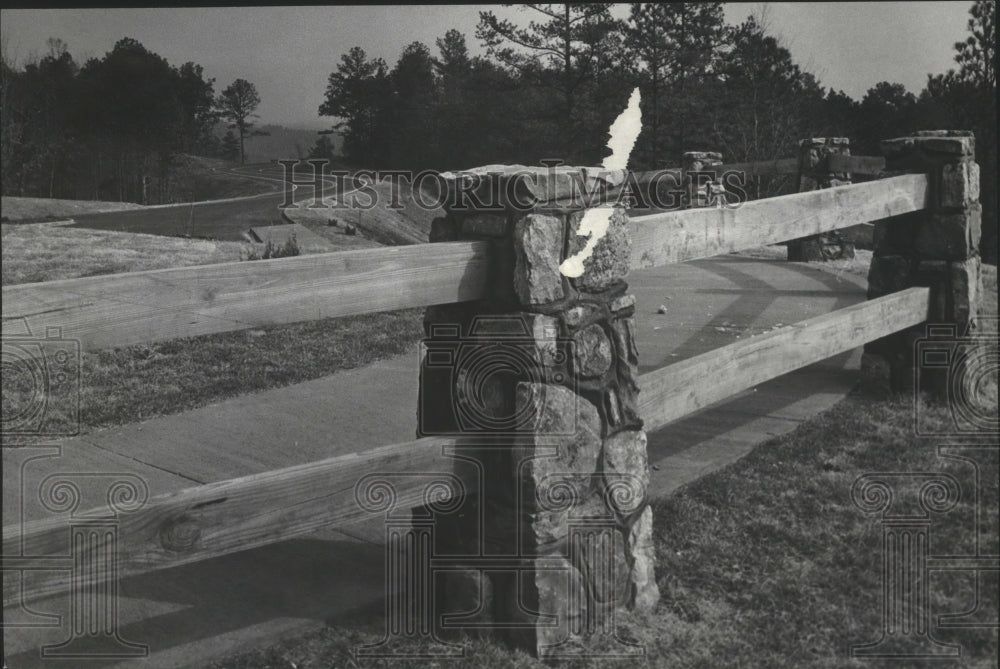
701 190
814 173
936 247
539 380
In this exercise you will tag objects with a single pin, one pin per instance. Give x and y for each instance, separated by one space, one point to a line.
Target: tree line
549 86
112 128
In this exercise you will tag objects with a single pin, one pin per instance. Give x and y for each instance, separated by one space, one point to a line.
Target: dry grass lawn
41 208
33 252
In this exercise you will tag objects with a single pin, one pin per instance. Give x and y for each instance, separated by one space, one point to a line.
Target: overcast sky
288 52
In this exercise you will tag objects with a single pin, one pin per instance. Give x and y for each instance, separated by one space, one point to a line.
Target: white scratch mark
624 132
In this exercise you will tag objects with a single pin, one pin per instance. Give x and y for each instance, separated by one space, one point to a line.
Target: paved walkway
189 615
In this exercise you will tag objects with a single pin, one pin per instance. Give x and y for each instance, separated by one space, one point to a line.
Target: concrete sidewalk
189 615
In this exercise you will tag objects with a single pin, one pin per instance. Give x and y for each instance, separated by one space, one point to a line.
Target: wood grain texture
677 236
122 309
234 515
682 388
229 516
759 168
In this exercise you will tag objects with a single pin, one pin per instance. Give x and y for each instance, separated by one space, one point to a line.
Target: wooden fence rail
123 309
678 236
246 512
139 307
676 390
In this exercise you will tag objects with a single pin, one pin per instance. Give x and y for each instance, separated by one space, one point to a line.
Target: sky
288 52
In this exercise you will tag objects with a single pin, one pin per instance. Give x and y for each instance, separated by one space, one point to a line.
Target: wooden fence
247 512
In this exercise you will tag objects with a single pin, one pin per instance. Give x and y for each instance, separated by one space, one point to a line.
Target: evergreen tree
358 93
237 104
675 48
554 53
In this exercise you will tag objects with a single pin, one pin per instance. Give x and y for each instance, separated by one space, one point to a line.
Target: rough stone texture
466 591
485 225
640 548
443 229
579 314
966 284
876 375
609 260
625 464
565 477
959 184
540 186
549 345
943 254
559 590
894 236
934 274
949 236
931 141
592 351
697 191
620 304
814 173
565 422
627 355
538 243
599 551
887 274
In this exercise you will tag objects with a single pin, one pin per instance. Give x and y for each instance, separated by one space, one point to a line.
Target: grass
135 383
271 249
49 251
43 208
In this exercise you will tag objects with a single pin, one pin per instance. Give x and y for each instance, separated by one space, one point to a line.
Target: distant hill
281 142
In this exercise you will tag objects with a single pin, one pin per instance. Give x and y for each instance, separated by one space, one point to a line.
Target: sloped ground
41 208
378 220
49 251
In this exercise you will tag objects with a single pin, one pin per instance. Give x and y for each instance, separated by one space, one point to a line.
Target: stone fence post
539 381
701 191
936 247
814 173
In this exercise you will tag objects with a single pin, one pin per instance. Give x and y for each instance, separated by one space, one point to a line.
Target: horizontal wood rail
678 236
138 307
684 387
866 165
229 516
759 168
234 515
